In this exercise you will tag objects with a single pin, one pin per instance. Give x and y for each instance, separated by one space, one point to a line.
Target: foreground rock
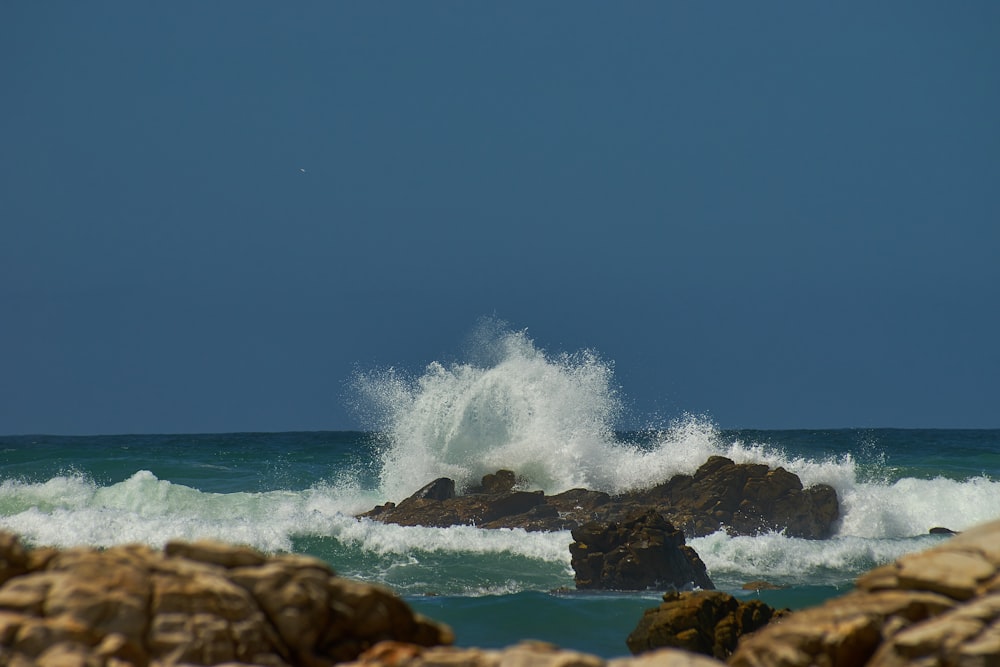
640 553
525 654
937 607
197 603
707 622
743 498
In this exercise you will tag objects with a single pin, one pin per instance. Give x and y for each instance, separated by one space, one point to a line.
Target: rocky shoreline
210 604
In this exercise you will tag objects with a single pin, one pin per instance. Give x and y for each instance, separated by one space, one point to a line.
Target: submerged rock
706 622
199 603
641 553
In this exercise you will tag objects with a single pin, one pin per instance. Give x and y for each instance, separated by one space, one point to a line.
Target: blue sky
780 214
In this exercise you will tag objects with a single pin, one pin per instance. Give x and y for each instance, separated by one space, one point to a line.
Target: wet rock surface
640 553
744 499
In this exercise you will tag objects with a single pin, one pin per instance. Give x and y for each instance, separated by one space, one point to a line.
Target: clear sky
781 214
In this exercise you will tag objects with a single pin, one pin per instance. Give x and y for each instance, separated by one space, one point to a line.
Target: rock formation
640 553
208 604
200 603
937 607
743 498
525 654
706 622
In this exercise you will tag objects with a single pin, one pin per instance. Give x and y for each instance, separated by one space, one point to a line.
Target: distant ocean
552 420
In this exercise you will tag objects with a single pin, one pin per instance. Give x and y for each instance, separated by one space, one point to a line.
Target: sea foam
550 418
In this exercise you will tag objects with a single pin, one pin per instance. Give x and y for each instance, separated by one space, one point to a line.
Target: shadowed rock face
201 603
707 622
744 499
643 552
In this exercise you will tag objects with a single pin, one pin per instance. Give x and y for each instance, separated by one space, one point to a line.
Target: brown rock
500 482
706 622
201 603
524 654
938 607
742 498
761 585
643 552
745 499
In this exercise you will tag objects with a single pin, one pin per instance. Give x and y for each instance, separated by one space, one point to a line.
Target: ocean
553 420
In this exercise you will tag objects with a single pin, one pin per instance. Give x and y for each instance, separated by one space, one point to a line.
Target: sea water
552 419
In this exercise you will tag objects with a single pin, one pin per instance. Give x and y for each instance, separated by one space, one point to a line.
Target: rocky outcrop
744 499
199 603
207 604
640 553
937 607
525 654
706 622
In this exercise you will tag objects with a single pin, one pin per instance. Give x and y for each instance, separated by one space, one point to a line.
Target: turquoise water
551 420
299 492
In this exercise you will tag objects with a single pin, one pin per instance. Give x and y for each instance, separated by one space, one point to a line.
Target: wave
550 418
882 522
553 420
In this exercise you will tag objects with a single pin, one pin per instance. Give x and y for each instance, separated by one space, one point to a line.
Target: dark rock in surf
706 622
742 498
940 530
501 481
437 505
442 488
640 553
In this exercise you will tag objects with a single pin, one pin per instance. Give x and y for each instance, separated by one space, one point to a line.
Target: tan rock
524 654
201 603
952 573
938 607
214 553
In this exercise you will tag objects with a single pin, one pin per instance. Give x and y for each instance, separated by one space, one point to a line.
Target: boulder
501 481
200 603
706 622
744 499
937 607
640 553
